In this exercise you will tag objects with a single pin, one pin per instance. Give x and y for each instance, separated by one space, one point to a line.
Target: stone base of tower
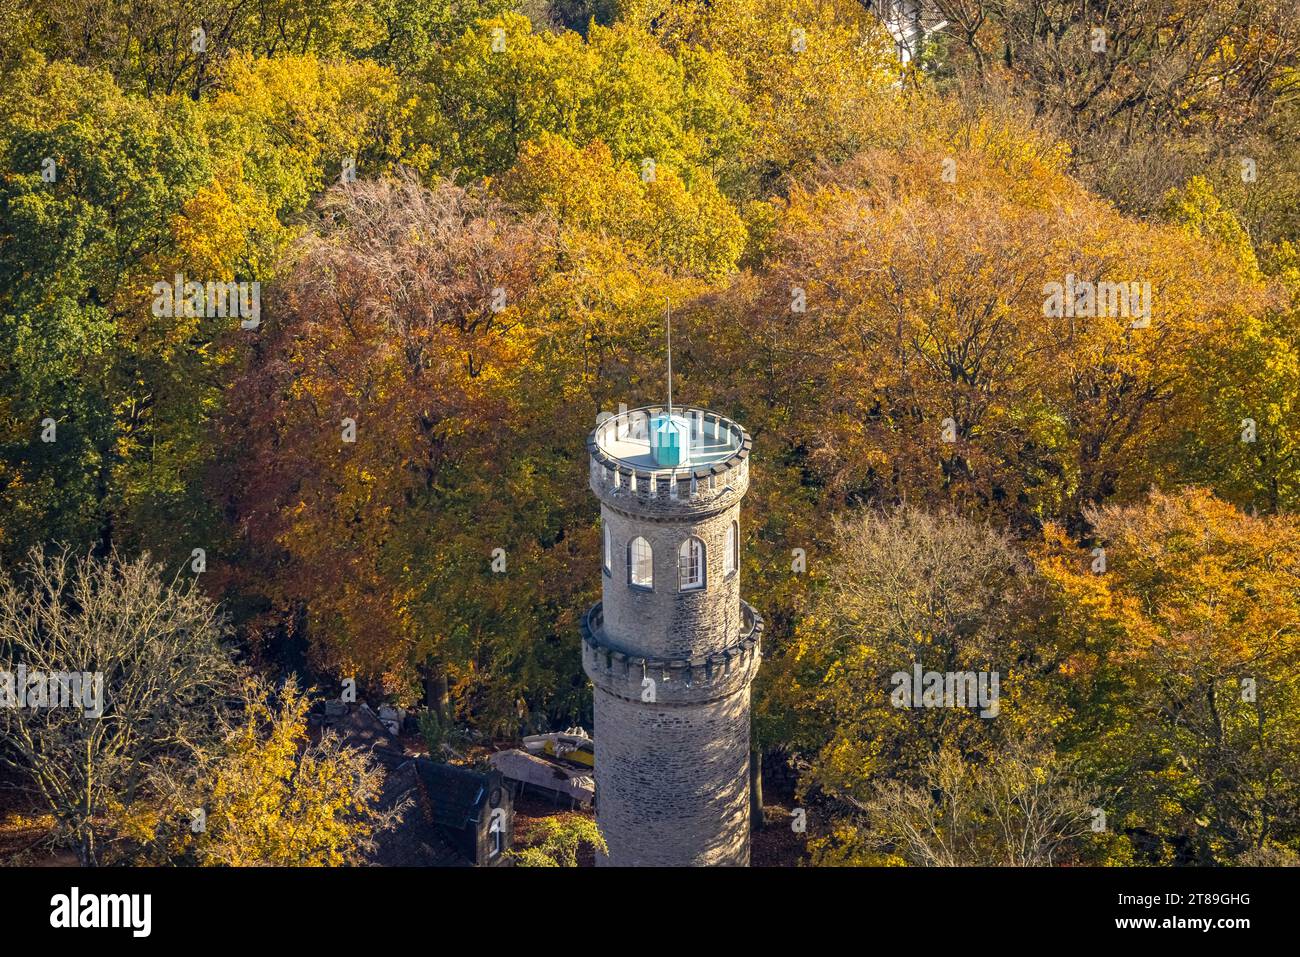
672 781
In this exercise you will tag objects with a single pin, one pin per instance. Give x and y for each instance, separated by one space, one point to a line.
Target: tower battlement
677 680
624 472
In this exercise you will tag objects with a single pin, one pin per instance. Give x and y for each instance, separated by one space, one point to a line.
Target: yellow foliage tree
272 796
1182 653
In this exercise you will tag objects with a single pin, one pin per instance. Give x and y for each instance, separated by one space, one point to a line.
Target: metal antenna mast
668 312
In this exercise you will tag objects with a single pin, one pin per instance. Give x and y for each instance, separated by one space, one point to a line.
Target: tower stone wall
666 622
671 668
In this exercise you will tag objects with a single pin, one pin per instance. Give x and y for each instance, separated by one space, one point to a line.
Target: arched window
690 565
640 564
731 561
609 550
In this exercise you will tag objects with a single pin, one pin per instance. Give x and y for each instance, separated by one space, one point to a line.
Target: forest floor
24 834
776 844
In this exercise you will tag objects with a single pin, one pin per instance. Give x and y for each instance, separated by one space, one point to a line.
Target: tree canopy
1013 326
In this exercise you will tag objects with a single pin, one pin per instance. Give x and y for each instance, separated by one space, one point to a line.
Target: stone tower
671 649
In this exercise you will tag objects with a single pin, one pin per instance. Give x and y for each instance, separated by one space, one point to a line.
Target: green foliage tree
478 105
556 841
77 257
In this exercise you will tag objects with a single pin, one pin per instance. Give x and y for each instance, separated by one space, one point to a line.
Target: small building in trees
473 810
909 23
457 817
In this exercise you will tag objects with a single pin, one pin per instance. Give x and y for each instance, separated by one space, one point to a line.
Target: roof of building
526 768
361 728
457 796
416 841
441 795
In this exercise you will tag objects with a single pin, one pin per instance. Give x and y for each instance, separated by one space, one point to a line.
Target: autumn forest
307 309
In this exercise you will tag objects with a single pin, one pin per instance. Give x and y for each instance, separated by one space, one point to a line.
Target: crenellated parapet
624 475
677 680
